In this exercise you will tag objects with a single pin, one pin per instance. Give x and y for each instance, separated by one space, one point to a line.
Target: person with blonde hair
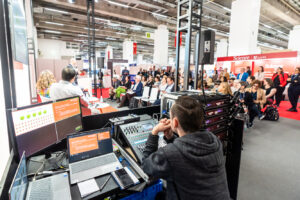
224 88
43 84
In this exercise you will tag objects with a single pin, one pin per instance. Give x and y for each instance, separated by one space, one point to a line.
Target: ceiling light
113 24
159 15
58 24
267 26
49 31
71 1
79 40
111 38
98 18
136 27
86 28
121 33
54 10
80 35
118 4
225 8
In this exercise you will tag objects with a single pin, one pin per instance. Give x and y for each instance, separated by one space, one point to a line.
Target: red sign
134 48
289 54
180 40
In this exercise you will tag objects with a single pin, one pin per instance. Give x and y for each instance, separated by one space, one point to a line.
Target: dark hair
145 78
217 82
224 79
68 73
281 70
171 78
269 81
262 68
199 85
252 78
232 79
243 83
157 77
256 82
185 109
248 67
298 69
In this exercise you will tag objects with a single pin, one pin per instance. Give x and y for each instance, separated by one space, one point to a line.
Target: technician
193 163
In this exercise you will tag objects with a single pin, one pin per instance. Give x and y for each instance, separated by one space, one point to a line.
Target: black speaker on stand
100 62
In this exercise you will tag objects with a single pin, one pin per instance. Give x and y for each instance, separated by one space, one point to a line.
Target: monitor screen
19 184
67 116
89 144
42 125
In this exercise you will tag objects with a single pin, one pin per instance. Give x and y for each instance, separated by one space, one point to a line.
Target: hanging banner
134 48
180 40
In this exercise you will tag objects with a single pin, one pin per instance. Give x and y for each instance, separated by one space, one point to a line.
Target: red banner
289 54
180 40
134 48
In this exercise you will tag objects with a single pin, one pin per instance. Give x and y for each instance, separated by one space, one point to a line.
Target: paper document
88 187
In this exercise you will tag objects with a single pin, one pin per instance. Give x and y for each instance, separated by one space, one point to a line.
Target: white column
244 24
128 51
161 47
222 48
140 59
294 39
109 52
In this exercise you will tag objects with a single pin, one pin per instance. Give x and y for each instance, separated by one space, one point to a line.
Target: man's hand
168 134
162 126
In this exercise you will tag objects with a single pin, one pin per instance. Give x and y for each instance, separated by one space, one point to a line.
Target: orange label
66 109
83 144
103 136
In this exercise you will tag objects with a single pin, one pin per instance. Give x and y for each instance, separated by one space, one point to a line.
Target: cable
38 170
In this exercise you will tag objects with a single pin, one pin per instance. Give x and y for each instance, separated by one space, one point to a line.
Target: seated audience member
150 81
215 76
250 81
294 90
115 84
193 161
170 85
65 87
226 74
231 81
231 75
145 73
260 74
243 75
216 86
236 86
257 102
156 82
136 90
144 80
249 72
223 79
126 85
140 72
163 85
199 85
46 79
270 91
191 83
210 82
224 88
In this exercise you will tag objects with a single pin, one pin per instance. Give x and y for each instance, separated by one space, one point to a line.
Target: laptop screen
89 144
19 184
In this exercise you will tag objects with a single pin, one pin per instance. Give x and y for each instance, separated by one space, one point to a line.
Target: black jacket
193 166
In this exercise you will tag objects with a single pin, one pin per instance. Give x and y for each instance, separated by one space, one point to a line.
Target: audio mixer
136 135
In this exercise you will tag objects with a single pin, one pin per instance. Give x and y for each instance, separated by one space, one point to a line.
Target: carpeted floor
284 105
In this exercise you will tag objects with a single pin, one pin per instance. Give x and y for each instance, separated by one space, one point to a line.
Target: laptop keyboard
93 163
41 189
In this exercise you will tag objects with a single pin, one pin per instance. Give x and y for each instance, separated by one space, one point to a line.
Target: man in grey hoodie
192 163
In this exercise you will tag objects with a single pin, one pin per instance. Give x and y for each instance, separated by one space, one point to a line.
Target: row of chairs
150 95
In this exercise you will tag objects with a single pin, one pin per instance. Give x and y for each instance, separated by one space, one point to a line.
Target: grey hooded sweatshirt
192 165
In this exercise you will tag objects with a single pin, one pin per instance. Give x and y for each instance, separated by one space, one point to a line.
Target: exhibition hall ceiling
117 20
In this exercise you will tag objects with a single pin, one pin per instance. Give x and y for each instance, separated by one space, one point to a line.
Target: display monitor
39 126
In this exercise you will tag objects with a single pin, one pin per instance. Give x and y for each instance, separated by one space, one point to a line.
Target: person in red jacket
280 81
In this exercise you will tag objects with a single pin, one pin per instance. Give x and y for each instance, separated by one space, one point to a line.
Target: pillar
128 51
161 45
222 48
294 39
244 24
140 59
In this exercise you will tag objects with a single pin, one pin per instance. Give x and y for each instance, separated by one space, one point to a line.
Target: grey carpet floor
270 163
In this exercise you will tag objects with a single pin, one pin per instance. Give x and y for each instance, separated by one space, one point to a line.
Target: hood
202 148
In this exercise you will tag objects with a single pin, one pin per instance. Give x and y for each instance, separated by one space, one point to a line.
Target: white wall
54 49
4 145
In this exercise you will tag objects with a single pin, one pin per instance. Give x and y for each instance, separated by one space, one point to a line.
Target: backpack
271 113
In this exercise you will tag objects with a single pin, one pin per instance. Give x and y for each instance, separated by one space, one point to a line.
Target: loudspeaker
207 47
100 61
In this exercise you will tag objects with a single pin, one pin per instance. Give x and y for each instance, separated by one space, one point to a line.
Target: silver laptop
50 188
91 155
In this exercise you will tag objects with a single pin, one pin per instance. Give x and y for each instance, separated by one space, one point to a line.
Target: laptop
91 155
50 188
